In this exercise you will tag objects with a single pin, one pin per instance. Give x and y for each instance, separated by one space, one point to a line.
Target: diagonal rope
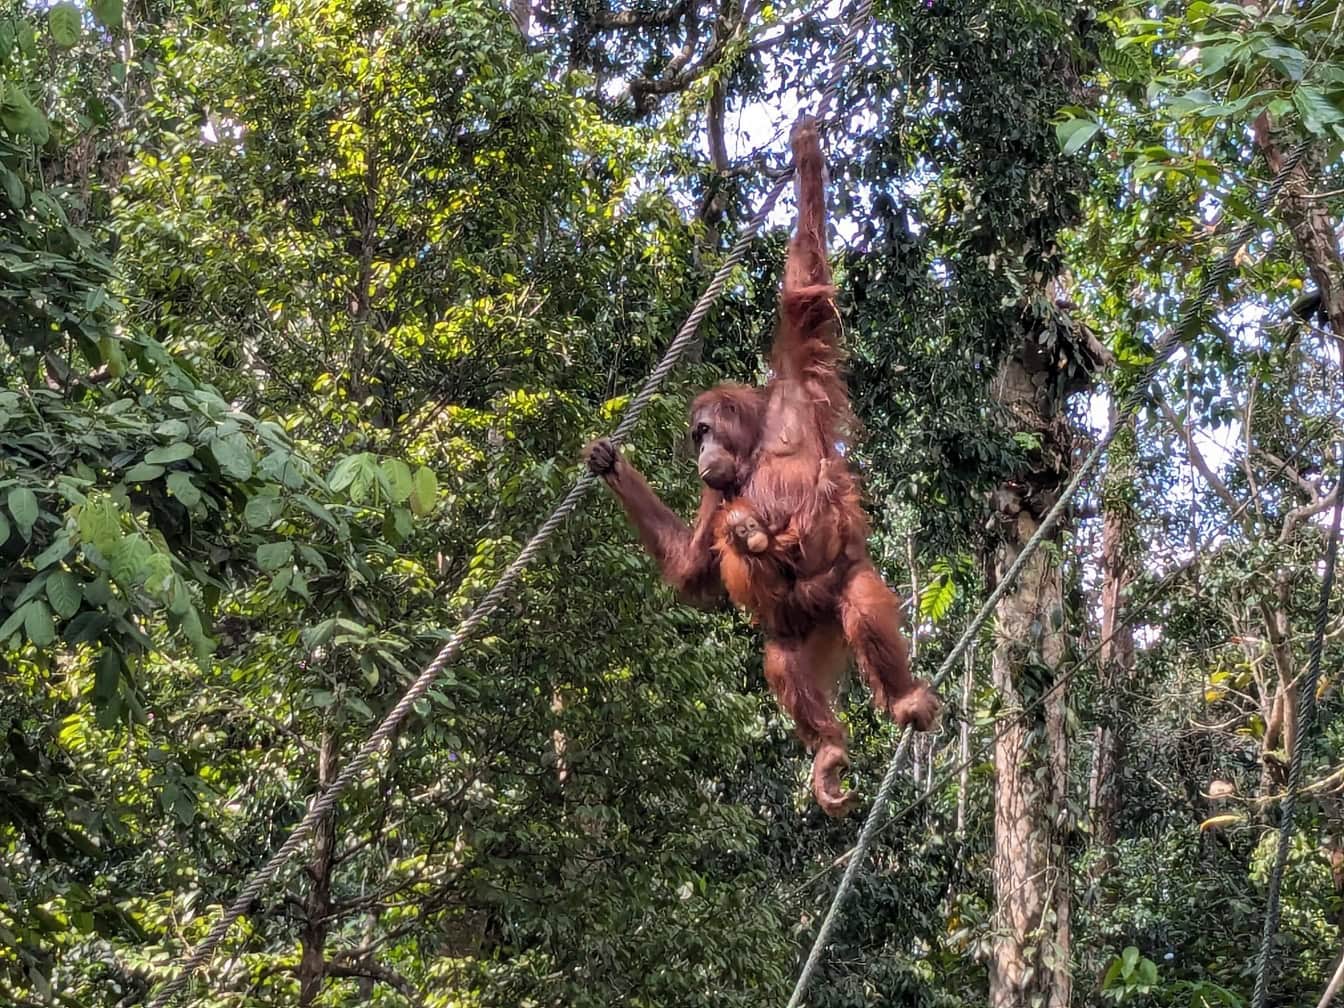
1306 712
325 803
1187 324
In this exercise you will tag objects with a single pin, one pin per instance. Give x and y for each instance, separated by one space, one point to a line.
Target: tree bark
521 12
1312 230
1117 644
1032 889
312 968
964 744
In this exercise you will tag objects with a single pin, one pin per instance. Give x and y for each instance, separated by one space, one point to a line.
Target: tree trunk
312 969
521 11
1117 643
1032 891
1279 697
964 744
1313 232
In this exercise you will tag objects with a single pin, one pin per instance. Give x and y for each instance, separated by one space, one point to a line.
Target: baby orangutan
746 528
780 526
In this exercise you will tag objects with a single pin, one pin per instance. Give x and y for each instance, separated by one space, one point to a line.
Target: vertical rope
1187 322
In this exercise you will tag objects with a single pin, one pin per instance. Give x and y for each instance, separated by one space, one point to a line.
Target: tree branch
1196 456
369 970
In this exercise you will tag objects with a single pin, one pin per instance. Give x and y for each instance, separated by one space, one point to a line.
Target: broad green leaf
937 598
272 556
344 473
4 530
22 504
233 455
108 12
181 487
179 597
14 191
63 593
37 623
1315 109
262 510
65 25
183 807
106 677
1129 958
15 621
143 473
60 546
170 453
1073 134
424 492
1112 976
397 478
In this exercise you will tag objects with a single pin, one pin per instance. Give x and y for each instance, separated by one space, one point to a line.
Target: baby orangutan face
747 529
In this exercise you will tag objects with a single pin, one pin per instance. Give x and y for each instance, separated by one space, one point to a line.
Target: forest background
308 308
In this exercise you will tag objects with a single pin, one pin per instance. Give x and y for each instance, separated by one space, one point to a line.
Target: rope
1133 610
325 803
1306 711
1186 323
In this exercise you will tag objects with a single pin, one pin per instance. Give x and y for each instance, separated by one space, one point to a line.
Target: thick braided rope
1306 712
1187 322
325 803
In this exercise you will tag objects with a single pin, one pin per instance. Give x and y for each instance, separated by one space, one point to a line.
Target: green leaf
175 429
170 453
55 552
21 117
106 677
64 594
397 478
108 12
181 487
143 473
37 624
4 530
233 455
937 598
1129 958
1213 58
272 556
344 473
63 21
1073 134
184 807
1315 109
261 511
14 191
424 492
16 619
22 504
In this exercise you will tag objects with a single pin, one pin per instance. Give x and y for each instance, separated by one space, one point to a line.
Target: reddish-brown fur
781 527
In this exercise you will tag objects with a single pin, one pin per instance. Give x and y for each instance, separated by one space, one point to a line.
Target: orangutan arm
685 554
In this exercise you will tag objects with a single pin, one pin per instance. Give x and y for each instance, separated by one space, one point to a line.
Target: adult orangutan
780 525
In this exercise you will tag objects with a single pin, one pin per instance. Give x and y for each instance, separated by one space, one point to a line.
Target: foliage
308 309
